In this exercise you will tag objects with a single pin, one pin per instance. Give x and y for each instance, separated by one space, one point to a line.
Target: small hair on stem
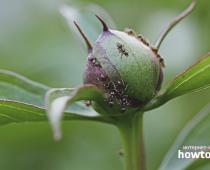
173 23
89 46
105 27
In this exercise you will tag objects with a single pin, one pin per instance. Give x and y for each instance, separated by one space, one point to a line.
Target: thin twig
175 21
89 46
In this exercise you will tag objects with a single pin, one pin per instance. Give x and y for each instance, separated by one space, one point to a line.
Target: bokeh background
35 41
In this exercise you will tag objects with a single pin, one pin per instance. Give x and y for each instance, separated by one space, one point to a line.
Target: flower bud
125 67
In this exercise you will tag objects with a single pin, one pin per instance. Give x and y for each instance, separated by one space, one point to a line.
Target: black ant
122 49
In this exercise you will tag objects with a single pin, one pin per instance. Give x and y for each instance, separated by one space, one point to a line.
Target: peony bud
124 66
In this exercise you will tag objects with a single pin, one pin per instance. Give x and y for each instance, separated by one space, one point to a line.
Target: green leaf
57 100
22 100
16 112
195 133
18 88
195 78
85 16
200 165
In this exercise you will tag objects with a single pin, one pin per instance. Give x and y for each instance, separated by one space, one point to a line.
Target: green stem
131 129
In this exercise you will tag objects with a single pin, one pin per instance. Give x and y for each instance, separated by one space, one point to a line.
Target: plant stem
173 23
131 129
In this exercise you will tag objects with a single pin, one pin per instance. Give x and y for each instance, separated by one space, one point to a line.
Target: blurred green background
35 41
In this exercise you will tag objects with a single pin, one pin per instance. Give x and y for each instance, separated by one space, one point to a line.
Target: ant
122 49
